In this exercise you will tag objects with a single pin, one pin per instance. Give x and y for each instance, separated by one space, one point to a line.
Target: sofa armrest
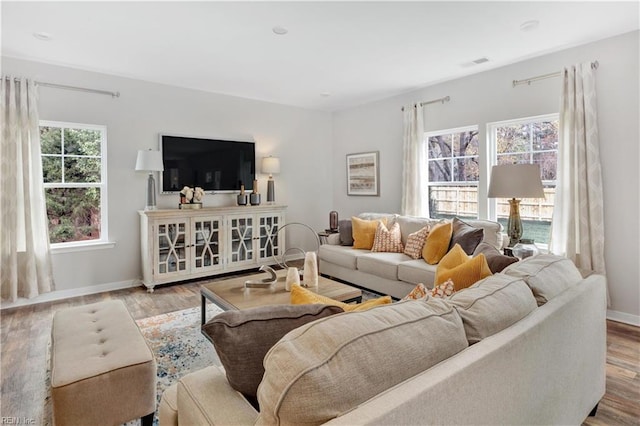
206 398
331 239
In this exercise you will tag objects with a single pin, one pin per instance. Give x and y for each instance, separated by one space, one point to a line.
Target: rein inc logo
9 420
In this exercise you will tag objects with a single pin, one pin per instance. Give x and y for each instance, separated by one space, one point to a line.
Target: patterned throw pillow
444 290
387 240
419 292
415 243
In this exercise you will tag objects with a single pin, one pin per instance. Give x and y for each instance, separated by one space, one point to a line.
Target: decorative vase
333 220
310 274
242 197
293 277
254 197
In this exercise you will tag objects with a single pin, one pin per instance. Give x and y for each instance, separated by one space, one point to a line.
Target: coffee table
230 294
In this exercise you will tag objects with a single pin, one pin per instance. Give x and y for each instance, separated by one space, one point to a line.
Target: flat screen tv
214 165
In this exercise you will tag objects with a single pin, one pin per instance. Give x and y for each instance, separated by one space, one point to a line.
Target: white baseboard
623 317
73 292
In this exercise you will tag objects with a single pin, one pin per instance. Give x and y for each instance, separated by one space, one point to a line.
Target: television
215 165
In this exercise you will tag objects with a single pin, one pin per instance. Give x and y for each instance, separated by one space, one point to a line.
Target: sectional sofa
395 274
525 346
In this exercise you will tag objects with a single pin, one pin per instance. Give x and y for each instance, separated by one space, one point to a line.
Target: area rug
178 346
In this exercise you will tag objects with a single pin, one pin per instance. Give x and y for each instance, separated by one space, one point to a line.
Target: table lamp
271 165
150 161
511 181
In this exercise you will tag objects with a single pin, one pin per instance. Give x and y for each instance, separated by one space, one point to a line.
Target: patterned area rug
177 344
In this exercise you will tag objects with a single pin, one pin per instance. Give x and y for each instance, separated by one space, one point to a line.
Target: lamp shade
516 181
270 165
149 161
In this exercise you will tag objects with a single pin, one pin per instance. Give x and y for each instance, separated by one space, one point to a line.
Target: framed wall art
363 173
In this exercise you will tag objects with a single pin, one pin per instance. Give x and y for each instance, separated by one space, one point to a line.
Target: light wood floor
25 334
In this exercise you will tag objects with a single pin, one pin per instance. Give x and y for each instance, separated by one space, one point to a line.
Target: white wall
488 97
301 138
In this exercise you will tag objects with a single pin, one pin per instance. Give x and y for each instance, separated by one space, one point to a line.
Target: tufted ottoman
102 371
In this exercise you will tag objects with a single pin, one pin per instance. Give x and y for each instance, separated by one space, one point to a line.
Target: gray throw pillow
243 338
496 260
466 235
346 232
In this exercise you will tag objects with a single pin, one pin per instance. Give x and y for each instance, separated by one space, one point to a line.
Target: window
453 172
74 173
530 140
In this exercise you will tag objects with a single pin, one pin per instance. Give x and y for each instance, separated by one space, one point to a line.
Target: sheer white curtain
578 219
25 270
414 200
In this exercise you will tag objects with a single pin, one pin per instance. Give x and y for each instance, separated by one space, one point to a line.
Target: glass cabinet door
172 244
268 227
207 250
241 239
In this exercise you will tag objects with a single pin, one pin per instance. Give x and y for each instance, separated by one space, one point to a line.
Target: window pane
52 169
81 142
513 158
73 213
513 138
79 169
548 162
440 146
449 201
466 143
50 140
545 135
439 170
466 169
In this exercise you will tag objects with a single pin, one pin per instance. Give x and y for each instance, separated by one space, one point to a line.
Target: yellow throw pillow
461 269
437 243
364 231
302 296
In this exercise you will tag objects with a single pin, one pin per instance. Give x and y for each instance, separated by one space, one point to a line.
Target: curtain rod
594 65
435 101
79 89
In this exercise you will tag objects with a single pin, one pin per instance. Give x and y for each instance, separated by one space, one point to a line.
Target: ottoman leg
147 420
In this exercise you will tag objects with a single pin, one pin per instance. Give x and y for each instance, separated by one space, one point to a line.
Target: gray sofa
395 274
525 346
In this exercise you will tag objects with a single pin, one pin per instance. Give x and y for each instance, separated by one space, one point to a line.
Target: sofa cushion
388 218
340 255
461 269
387 240
496 260
364 231
492 231
415 243
466 235
381 264
411 224
324 369
242 338
302 296
547 275
417 271
346 232
437 243
493 304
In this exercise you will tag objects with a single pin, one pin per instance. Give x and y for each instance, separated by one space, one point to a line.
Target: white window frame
427 180
492 148
103 241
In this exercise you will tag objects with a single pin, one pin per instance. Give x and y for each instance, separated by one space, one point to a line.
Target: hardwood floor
25 334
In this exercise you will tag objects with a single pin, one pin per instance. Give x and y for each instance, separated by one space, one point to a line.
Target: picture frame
363 173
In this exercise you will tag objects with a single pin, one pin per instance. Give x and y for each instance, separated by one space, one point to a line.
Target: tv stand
178 245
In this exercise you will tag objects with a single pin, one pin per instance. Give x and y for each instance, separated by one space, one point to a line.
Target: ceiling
335 55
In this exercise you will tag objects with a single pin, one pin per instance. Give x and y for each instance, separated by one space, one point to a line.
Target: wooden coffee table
230 293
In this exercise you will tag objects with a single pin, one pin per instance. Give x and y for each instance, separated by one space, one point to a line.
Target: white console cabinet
180 245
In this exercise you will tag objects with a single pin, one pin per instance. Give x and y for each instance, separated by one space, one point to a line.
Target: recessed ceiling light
529 25
325 94
279 30
43 36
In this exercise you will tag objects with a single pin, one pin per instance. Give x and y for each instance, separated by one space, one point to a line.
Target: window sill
75 247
